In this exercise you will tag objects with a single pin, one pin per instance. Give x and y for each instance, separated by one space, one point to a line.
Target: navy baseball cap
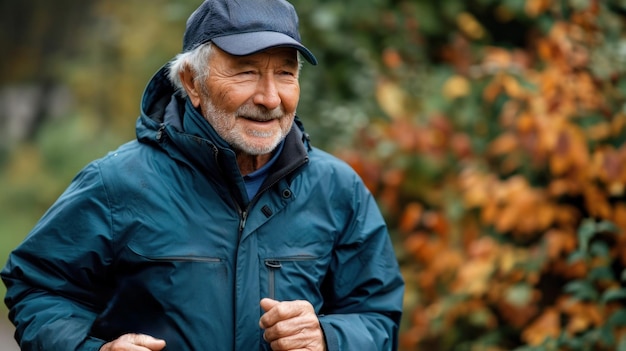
244 27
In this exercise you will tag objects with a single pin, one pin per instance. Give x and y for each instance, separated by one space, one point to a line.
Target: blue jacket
159 237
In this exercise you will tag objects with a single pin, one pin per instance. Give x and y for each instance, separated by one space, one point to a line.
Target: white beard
235 135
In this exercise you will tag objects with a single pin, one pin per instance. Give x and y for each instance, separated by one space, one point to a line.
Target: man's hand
291 326
134 342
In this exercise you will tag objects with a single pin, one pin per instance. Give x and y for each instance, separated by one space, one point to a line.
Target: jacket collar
171 123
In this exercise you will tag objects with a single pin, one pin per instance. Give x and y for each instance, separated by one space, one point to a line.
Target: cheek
226 97
227 104
291 97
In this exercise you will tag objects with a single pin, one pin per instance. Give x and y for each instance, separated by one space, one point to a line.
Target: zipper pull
159 133
271 264
242 222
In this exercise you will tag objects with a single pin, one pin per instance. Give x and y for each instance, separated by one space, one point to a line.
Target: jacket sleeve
56 278
364 289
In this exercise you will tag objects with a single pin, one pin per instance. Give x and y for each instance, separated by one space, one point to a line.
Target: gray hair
196 59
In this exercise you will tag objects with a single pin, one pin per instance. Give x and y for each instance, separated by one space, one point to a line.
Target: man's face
251 100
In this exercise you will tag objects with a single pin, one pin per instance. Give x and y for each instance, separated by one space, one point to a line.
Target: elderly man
220 227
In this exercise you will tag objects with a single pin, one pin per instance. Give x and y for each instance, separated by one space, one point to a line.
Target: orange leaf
392 99
489 213
547 325
559 243
411 217
582 315
512 87
619 218
470 25
618 124
535 8
456 87
492 90
596 202
474 278
506 143
391 58
507 219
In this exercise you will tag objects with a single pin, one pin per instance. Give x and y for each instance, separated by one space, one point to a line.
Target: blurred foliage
491 132
502 172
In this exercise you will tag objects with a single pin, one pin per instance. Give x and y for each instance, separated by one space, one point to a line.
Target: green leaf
613 294
621 346
581 290
617 319
607 226
601 273
531 348
572 343
519 295
586 231
599 249
605 334
621 85
515 6
580 4
579 255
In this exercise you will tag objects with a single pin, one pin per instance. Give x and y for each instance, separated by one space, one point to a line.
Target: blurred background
490 131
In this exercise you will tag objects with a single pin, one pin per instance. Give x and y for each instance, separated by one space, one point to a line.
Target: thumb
267 304
148 341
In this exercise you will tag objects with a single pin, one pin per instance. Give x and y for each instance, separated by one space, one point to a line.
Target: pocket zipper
272 266
185 259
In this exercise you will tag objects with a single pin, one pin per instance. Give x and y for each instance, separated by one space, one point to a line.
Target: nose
267 93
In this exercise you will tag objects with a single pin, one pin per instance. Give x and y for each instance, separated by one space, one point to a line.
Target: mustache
259 113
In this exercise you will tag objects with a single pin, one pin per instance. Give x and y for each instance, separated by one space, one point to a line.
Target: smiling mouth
258 120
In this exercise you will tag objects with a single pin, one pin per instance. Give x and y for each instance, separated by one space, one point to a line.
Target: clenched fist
291 326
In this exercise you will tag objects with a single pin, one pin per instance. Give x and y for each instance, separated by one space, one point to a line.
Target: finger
305 337
282 310
268 303
267 320
287 345
146 341
299 326
290 319
134 342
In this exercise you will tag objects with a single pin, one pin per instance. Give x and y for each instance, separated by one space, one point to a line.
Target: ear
191 87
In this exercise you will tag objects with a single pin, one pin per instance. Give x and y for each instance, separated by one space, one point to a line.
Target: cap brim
242 44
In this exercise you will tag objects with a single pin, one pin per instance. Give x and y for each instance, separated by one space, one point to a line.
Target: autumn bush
503 176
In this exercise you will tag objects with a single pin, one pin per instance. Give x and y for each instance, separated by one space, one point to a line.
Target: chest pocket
167 271
296 277
164 271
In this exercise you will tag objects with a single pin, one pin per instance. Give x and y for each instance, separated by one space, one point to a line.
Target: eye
287 73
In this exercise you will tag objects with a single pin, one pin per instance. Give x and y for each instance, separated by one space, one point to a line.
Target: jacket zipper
243 216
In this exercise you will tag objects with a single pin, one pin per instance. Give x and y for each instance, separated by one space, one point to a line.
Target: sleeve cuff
330 335
91 344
